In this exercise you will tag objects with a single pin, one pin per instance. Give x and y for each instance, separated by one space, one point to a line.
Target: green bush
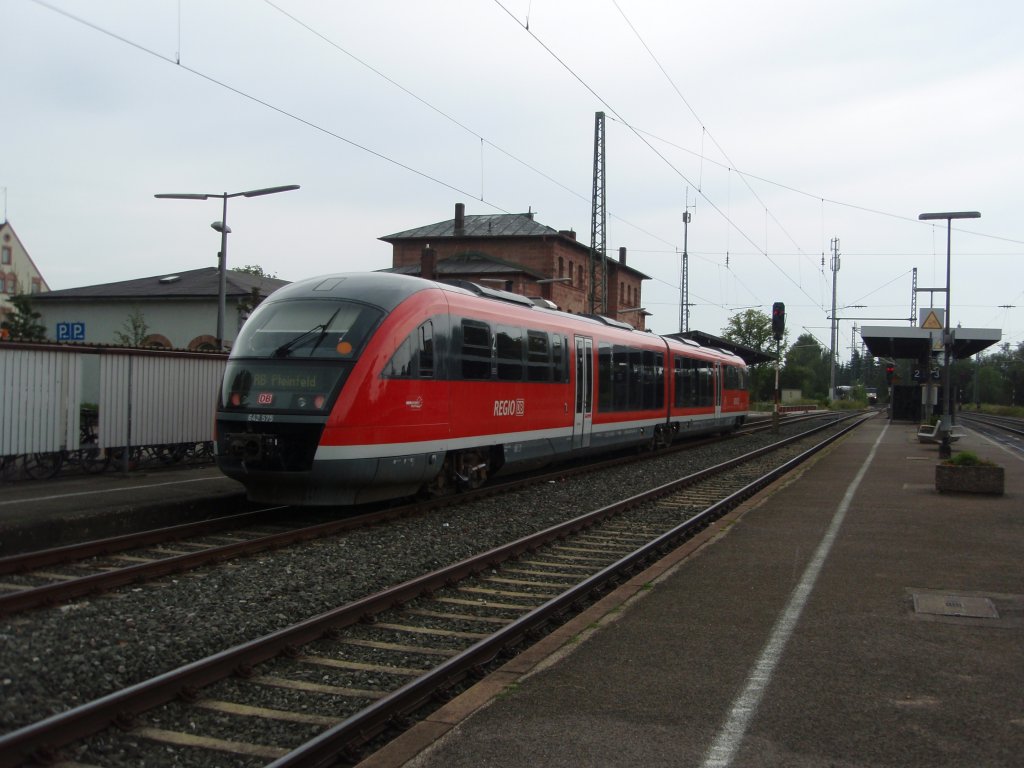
968 459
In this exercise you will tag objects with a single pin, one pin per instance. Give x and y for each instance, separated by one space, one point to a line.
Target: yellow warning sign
932 321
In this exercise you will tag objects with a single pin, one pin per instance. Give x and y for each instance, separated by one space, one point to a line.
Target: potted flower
966 473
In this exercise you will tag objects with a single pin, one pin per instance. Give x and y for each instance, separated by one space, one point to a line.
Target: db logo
265 398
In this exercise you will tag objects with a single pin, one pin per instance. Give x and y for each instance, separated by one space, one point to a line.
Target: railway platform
850 617
36 514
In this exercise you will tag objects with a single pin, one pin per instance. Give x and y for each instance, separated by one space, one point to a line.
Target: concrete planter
986 478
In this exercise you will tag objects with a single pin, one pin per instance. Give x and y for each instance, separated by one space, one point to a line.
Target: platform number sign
70 331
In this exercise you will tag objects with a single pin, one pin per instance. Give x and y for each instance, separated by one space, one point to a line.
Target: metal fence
57 398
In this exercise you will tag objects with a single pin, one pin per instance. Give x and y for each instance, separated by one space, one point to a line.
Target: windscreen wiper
287 347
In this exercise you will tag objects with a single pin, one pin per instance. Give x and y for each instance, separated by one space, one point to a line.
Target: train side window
706 385
733 377
687 382
414 357
620 378
509 348
604 377
426 356
636 379
659 381
559 345
538 356
476 350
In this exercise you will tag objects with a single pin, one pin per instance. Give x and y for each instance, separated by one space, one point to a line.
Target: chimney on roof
460 219
570 233
428 263
622 256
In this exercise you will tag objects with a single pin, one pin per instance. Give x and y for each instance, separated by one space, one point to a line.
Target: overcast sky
783 125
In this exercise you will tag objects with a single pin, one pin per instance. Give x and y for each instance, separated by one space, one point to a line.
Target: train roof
387 290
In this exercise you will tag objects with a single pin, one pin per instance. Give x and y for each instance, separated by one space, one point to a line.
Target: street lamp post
222 227
945 449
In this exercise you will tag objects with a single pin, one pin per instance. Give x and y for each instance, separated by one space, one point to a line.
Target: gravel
54 659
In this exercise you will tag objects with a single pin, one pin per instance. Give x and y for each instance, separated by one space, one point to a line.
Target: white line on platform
108 490
729 738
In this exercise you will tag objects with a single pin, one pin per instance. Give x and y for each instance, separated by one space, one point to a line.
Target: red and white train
359 387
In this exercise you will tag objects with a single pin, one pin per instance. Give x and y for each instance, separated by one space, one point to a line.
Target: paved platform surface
814 627
36 514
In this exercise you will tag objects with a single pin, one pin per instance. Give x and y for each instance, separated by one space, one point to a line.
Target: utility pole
598 224
913 300
684 272
835 325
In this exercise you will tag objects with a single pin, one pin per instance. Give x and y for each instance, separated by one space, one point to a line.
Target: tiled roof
494 225
470 264
194 283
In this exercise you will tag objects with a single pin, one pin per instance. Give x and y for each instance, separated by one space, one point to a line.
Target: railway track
55 576
1005 424
361 670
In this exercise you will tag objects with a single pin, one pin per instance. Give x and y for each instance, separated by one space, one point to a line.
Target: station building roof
902 342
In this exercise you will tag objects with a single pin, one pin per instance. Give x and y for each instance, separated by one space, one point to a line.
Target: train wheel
443 484
471 469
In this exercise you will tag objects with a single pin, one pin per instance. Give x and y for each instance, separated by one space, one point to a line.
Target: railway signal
778 320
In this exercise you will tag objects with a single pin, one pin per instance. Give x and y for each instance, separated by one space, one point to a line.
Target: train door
718 389
583 419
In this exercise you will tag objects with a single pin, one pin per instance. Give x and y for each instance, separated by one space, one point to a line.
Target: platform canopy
903 343
750 355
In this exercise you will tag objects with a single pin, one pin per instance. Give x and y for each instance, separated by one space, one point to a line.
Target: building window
561 267
572 272
5 254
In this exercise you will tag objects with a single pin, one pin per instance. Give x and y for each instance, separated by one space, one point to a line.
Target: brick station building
513 252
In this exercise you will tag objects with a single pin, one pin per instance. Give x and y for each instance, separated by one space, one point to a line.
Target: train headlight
318 401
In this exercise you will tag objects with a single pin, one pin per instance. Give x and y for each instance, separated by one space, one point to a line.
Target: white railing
52 396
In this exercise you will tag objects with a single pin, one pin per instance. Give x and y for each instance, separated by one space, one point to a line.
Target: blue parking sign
70 331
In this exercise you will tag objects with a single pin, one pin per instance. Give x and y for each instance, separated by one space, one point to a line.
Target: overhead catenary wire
617 116
432 178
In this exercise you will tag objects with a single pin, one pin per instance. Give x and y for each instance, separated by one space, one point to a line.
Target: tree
753 328
807 367
23 323
135 330
257 270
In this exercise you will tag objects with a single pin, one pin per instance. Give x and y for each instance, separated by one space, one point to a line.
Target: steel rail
26 561
998 422
42 739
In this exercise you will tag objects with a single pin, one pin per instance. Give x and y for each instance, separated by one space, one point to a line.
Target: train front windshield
294 355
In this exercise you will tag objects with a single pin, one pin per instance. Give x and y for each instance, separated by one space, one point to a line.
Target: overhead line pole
834 342
598 224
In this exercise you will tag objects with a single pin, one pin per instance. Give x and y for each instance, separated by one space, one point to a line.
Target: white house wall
100 321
